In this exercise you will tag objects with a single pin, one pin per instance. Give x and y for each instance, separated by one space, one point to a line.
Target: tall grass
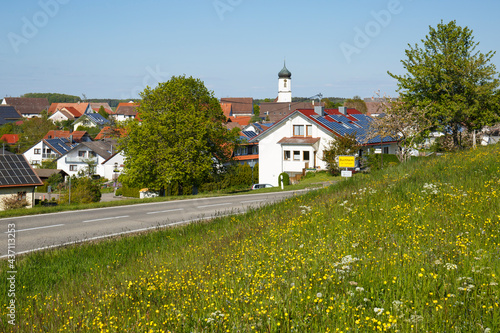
412 248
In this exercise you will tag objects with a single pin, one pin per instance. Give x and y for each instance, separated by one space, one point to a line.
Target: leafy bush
83 190
13 202
130 192
119 191
387 160
286 179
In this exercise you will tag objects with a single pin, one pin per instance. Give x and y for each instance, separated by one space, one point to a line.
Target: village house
28 107
101 156
17 179
296 142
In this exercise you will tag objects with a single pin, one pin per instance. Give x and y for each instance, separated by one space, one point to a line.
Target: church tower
284 85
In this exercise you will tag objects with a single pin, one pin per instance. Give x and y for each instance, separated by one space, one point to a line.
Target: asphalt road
31 233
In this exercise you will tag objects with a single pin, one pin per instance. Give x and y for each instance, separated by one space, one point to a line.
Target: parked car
258 186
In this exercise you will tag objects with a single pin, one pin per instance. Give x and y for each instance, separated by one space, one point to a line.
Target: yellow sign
347 161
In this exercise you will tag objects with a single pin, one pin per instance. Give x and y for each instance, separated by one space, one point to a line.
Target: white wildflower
450 266
378 311
319 295
397 304
360 289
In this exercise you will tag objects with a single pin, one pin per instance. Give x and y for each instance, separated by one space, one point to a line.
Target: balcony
49 156
76 159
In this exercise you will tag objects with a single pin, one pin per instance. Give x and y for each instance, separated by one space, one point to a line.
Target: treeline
54 97
63 98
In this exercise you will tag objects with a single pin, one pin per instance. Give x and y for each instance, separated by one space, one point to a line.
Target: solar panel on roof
14 171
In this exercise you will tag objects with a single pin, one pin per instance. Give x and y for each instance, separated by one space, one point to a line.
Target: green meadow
410 248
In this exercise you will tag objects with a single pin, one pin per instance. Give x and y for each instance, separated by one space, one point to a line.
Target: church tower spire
284 85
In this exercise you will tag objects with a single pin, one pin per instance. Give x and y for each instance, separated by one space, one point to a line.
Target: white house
47 149
112 167
91 120
298 140
100 155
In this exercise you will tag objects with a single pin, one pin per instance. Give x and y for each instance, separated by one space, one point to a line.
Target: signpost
347 162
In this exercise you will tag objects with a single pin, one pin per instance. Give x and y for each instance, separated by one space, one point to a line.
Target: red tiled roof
240 105
79 107
10 138
56 134
107 133
242 121
226 109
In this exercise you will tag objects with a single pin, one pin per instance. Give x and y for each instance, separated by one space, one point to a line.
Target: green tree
181 138
103 112
83 190
344 145
33 130
455 84
256 114
357 103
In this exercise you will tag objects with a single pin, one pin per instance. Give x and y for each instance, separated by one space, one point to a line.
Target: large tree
452 82
357 103
181 138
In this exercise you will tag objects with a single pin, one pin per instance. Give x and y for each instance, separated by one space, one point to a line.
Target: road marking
221 204
249 201
107 218
166 211
48 226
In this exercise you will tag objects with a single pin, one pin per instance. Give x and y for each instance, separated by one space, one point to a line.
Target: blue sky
113 49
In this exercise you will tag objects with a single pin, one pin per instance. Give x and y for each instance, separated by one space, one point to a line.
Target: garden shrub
286 179
13 202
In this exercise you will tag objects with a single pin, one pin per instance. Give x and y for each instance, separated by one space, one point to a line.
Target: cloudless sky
113 49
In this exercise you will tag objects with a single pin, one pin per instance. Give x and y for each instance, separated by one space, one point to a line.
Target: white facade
79 158
285 90
111 168
272 158
58 116
40 152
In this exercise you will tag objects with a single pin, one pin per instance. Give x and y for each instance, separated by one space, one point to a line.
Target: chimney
320 110
343 110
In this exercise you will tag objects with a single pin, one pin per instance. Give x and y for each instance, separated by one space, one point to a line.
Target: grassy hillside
413 248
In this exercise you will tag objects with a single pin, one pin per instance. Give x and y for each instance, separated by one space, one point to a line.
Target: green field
411 248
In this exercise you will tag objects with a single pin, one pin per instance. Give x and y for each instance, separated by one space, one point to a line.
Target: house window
21 195
386 150
72 167
296 155
35 162
309 130
287 155
81 153
38 151
92 154
305 155
298 130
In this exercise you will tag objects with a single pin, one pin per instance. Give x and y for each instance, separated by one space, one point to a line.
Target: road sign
346 173
347 161
378 150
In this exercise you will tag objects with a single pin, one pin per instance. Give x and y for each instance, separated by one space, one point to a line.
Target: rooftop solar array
97 118
343 125
61 145
249 134
15 171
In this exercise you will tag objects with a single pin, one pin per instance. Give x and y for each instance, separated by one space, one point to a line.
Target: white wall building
297 141
96 154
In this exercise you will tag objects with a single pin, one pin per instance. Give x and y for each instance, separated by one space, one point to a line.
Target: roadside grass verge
412 248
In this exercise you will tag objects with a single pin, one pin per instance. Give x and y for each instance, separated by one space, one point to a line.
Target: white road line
107 218
166 211
221 204
249 201
49 226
